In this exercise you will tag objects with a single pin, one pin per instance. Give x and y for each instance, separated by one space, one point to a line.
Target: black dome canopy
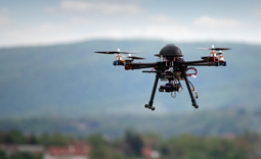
170 50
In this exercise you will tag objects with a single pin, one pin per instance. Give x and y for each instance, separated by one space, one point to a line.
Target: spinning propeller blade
114 52
136 57
219 48
121 52
215 48
107 52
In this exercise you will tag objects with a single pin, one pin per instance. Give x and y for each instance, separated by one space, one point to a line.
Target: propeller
215 48
115 52
136 57
121 52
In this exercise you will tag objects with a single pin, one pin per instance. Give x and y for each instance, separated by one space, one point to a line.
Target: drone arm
139 65
192 62
203 64
208 64
143 64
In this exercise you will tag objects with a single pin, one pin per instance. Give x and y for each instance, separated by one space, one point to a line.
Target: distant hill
70 80
226 122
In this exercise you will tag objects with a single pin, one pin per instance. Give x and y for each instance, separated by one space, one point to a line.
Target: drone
171 68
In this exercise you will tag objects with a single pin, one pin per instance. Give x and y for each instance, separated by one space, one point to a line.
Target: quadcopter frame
171 67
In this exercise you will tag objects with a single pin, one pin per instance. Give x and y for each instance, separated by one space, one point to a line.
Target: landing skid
183 71
150 107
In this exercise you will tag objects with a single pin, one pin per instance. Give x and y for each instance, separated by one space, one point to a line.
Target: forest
134 144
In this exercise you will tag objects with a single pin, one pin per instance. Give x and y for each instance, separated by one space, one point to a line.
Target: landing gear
173 86
194 103
149 107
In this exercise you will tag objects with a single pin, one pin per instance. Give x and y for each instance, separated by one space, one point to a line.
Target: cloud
77 20
104 7
4 20
46 33
50 9
128 26
257 12
4 10
81 21
210 22
164 27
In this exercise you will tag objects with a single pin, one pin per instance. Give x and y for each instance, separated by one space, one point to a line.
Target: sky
36 22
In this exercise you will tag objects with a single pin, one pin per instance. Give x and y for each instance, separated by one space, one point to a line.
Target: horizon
211 42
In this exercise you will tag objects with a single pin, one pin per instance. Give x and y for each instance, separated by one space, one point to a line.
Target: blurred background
58 98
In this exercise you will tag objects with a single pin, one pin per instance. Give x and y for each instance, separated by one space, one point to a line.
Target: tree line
132 145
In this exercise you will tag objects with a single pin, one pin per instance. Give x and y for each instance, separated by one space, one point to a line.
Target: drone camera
169 88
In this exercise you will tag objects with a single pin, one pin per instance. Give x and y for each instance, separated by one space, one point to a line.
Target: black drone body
170 50
171 68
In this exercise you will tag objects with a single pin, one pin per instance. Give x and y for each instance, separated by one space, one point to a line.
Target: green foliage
200 122
57 139
185 146
100 152
100 148
96 140
12 137
19 155
134 143
2 154
23 156
193 147
17 137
